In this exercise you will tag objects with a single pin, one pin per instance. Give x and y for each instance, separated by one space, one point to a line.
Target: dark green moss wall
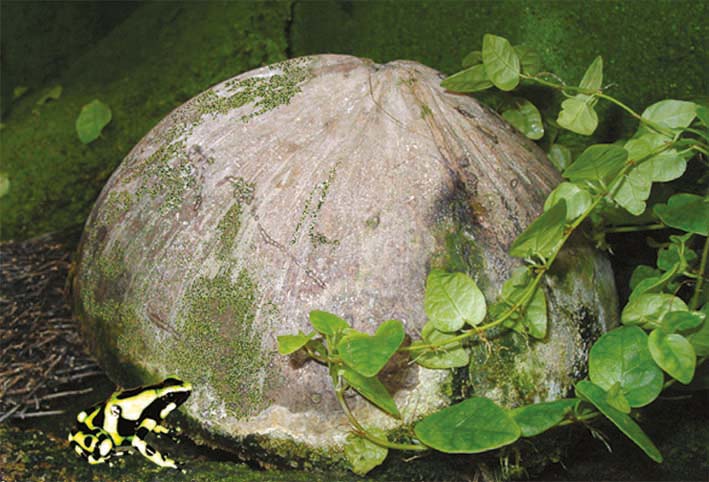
155 60
164 53
39 39
653 49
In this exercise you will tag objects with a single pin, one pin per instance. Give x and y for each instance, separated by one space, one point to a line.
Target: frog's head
92 444
169 395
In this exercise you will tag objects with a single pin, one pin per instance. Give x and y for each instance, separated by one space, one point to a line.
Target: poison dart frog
125 419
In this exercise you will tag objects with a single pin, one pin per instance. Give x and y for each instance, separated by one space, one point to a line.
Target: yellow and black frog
125 419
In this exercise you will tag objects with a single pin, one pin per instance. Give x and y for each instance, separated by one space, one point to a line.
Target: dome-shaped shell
333 183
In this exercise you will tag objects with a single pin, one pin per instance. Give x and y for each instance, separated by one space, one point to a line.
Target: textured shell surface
326 182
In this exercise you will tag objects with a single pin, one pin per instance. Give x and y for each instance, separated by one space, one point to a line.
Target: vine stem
632 229
693 304
360 430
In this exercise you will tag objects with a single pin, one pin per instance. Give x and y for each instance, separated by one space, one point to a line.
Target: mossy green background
145 59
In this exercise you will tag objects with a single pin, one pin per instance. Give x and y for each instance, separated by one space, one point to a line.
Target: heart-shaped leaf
453 299
675 114
368 354
327 323
577 115
674 353
93 117
621 357
501 62
471 426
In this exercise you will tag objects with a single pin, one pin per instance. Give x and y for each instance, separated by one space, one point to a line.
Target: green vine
661 335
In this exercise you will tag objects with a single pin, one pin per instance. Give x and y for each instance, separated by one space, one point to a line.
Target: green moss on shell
228 228
224 310
265 92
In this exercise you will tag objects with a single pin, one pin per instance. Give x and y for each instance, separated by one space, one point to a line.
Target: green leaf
666 166
532 319
473 58
648 285
678 321
501 62
540 417
448 356
577 199
642 272
542 236
699 337
472 79
453 299
621 357
364 455
675 114
577 115
634 190
703 114
598 164
93 117
687 212
616 399
676 255
52 94
674 354
4 184
525 117
593 78
560 156
597 396
371 389
368 354
647 310
472 426
530 60
288 344
327 323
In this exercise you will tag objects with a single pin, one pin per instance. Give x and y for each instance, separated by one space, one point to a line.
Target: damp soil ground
36 330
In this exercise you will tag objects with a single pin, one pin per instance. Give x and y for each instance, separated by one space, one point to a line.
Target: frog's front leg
147 451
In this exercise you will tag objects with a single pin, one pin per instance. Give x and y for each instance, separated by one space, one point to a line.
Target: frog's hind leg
148 451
